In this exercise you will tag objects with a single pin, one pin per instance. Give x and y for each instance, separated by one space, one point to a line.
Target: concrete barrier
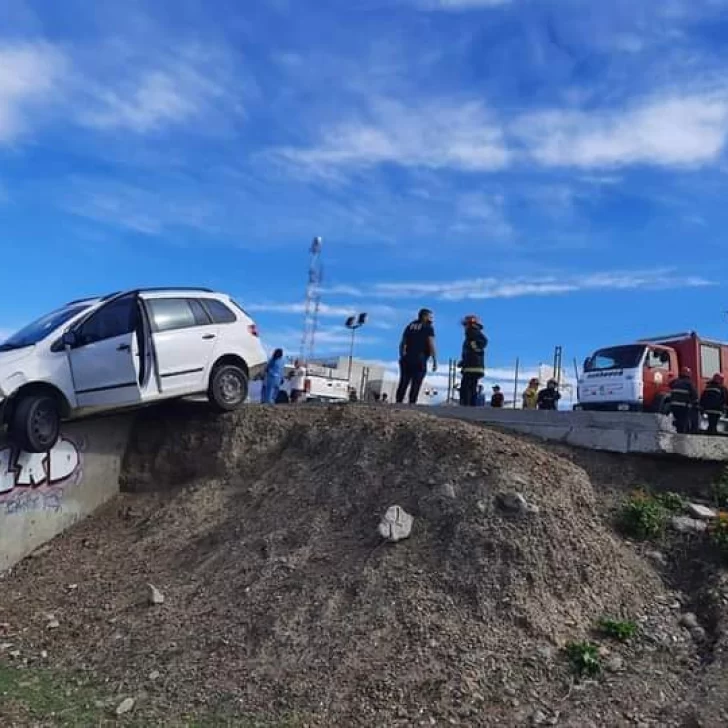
624 432
43 494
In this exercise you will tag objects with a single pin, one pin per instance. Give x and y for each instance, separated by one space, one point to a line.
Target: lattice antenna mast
313 301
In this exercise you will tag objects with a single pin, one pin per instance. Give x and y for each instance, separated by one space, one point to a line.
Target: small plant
584 658
672 502
720 490
618 629
642 516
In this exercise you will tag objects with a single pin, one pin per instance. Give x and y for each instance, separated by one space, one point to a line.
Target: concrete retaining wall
43 494
625 432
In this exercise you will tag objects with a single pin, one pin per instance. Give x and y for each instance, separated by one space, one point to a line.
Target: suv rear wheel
36 423
228 387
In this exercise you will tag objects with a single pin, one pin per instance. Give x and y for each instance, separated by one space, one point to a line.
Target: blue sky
556 166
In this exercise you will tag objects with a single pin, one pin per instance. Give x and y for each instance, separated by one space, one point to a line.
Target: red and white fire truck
636 377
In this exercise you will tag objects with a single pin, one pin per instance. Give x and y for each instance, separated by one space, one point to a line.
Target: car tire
228 388
36 423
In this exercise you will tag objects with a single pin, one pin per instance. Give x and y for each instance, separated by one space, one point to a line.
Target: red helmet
718 377
686 372
470 320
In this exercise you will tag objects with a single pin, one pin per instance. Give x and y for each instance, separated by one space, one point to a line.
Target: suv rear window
219 312
174 313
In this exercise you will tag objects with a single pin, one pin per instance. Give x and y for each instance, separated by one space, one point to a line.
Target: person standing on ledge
548 399
416 348
472 361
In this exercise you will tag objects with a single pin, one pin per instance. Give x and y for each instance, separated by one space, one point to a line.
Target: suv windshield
618 357
42 327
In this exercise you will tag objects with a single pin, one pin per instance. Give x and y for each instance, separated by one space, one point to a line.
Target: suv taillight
253 329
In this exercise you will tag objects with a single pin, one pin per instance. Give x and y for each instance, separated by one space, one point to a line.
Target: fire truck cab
636 377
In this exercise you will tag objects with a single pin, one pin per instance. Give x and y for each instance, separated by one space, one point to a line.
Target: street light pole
353 323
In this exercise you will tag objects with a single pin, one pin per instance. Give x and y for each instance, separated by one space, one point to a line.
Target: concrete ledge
625 432
43 494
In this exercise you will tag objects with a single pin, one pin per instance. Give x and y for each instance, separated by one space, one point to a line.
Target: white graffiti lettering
19 469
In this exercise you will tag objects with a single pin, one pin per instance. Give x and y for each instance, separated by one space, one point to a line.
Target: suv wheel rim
43 423
230 388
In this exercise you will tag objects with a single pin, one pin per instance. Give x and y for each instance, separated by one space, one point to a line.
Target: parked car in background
125 350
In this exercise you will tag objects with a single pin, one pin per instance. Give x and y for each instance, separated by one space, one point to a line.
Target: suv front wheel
36 423
228 387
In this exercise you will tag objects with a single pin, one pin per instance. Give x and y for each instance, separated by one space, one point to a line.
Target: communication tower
313 301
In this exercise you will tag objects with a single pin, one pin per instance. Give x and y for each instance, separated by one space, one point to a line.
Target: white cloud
379 316
486 288
485 213
152 93
670 131
330 340
145 211
29 74
433 135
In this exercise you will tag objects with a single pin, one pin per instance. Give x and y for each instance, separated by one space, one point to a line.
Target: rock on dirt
702 513
515 503
154 596
689 620
396 524
125 706
685 524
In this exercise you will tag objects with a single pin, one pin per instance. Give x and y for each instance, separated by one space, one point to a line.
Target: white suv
125 350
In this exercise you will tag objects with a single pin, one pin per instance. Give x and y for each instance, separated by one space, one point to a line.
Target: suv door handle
209 336
123 347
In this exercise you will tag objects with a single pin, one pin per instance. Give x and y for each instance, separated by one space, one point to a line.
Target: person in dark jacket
416 348
472 362
497 400
714 401
480 396
548 399
683 400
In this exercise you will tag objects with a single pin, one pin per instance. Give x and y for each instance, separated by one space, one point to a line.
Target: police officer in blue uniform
416 348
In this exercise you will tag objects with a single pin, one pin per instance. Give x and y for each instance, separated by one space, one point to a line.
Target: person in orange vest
714 401
530 394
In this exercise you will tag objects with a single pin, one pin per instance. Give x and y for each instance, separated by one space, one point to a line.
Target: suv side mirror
69 339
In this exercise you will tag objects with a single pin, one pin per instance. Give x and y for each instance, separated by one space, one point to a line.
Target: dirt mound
281 599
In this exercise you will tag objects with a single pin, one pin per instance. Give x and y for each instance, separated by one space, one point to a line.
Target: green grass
584 658
43 697
618 629
40 695
642 517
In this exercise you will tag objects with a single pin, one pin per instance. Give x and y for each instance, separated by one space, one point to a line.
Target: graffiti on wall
35 481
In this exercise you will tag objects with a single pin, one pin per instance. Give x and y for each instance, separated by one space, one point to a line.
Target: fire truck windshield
616 357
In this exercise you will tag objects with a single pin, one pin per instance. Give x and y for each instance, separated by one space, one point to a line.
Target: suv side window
172 313
114 319
219 312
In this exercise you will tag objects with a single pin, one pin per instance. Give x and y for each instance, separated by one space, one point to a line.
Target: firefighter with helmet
548 399
714 401
683 400
472 361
